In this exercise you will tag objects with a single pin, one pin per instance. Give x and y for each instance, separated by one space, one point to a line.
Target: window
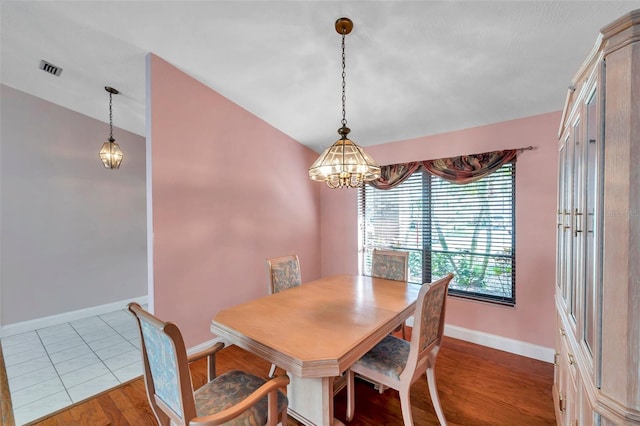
468 230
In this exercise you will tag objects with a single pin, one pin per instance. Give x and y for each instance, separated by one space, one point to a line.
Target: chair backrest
428 325
166 368
390 264
284 273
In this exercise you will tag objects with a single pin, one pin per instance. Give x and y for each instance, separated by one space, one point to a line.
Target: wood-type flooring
477 385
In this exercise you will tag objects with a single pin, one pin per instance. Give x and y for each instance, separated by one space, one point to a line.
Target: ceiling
413 68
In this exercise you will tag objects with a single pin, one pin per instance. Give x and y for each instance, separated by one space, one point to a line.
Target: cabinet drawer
565 350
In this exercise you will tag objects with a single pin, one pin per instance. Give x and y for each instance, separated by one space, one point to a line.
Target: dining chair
233 398
397 364
284 273
392 265
389 264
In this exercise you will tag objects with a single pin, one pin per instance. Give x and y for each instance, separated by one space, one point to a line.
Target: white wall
72 233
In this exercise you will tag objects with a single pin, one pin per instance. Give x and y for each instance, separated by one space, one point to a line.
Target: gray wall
72 233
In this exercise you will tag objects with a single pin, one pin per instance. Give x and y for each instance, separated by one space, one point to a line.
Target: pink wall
532 320
228 191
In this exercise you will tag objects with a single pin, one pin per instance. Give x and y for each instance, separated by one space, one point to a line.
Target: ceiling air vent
50 68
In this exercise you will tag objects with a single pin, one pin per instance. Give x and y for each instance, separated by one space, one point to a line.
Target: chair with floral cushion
233 398
392 265
397 364
389 264
284 273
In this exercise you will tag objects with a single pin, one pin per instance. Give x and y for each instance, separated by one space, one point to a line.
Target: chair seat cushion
388 357
229 389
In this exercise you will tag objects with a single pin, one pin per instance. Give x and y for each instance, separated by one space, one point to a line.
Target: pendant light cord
344 85
111 139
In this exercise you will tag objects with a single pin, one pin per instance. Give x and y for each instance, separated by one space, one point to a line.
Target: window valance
460 170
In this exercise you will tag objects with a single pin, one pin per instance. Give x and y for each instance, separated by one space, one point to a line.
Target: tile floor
53 367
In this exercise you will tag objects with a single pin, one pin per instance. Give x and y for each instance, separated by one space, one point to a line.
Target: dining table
316 331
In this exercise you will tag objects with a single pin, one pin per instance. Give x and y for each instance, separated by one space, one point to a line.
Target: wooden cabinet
597 363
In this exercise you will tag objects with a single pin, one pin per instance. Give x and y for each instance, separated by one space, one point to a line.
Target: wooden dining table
316 332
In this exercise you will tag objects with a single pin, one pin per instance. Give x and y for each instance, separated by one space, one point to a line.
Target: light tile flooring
54 367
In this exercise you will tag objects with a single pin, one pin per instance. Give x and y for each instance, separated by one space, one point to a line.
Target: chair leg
405 405
272 407
272 371
404 335
350 395
433 391
283 417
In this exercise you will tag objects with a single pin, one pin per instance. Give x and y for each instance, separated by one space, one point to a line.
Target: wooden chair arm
210 354
269 389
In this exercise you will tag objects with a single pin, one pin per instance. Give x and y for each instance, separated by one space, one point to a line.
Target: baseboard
43 322
506 344
513 346
485 339
204 345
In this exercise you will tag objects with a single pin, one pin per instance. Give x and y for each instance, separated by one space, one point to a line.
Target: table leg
311 401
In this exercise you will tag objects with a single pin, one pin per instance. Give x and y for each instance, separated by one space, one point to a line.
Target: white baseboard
43 322
506 344
205 345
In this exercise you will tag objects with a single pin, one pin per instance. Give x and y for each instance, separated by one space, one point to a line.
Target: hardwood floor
6 408
477 386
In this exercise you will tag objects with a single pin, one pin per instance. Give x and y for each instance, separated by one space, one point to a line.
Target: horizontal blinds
476 217
446 227
394 217
472 234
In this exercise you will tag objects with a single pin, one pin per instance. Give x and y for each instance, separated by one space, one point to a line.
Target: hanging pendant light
110 153
344 164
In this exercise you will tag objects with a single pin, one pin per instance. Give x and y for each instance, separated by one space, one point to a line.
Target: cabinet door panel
587 417
561 261
577 246
593 212
566 237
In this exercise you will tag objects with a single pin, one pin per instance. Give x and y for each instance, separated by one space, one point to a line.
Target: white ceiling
414 68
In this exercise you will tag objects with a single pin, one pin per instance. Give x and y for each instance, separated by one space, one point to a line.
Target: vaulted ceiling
414 68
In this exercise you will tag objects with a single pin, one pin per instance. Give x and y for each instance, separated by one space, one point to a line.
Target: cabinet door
587 415
593 218
561 262
566 254
567 408
577 216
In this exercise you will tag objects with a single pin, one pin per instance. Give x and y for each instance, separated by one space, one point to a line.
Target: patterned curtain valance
394 174
469 168
461 170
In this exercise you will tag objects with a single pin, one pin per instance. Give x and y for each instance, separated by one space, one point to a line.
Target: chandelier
344 164
110 153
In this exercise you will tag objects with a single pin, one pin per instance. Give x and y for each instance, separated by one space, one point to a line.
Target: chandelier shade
344 164
110 153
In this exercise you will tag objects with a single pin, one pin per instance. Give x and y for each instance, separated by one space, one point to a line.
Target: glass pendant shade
344 164
111 155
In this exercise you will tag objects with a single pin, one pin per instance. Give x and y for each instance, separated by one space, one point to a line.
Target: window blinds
464 229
